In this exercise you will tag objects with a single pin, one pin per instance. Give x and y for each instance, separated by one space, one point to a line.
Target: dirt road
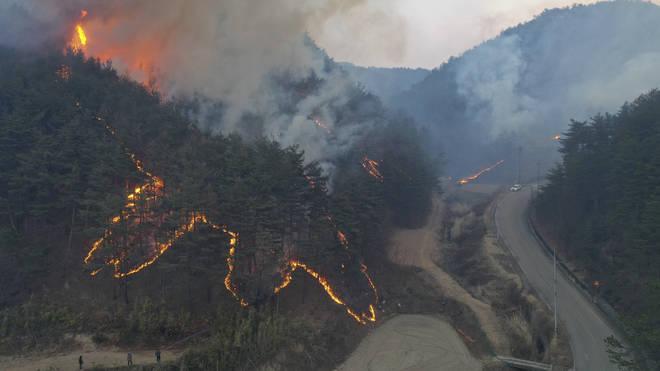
416 342
418 248
585 326
412 342
91 358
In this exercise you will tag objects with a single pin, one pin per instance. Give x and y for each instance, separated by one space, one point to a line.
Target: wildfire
153 189
468 179
231 287
147 193
557 137
371 166
361 318
64 72
320 124
342 239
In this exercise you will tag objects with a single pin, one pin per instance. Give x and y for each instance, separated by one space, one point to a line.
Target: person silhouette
80 363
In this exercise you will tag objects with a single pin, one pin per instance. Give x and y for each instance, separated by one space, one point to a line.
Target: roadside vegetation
601 205
473 256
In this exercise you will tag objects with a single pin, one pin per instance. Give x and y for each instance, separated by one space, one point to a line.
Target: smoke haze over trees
521 88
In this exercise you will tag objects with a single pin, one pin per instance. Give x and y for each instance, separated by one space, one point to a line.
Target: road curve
586 327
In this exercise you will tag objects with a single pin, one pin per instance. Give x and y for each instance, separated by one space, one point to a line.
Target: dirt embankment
420 248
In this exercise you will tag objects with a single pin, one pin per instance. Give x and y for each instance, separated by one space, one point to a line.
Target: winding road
586 327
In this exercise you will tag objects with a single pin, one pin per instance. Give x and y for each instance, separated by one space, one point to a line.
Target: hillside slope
524 86
385 82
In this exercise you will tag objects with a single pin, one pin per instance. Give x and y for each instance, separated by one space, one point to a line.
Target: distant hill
523 87
385 82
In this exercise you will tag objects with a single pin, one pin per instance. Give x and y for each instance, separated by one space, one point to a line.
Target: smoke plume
225 51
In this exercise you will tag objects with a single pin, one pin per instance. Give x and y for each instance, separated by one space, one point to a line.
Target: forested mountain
385 82
521 88
602 203
100 175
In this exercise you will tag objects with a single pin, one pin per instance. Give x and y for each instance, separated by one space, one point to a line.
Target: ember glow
138 209
371 166
321 125
557 137
362 318
468 179
79 40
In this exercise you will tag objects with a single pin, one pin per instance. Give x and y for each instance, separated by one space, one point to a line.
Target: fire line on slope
152 190
468 179
138 209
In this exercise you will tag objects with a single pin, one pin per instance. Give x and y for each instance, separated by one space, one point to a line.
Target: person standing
80 362
129 358
157 356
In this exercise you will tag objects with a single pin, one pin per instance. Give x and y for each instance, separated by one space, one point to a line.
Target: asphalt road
586 327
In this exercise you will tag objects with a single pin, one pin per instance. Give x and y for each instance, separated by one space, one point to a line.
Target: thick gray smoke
489 80
573 69
226 51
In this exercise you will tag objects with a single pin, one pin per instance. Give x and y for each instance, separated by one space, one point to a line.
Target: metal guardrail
608 313
524 364
606 309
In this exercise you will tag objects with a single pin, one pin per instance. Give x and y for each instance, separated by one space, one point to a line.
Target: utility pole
519 163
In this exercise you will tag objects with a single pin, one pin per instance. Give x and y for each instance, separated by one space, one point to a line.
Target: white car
515 188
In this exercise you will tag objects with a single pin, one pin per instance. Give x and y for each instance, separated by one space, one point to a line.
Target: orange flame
82 36
231 287
466 180
557 137
361 318
149 191
371 166
79 39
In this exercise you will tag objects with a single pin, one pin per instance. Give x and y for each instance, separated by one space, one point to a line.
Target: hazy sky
422 33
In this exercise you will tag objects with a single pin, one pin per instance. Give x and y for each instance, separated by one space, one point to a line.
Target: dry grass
472 255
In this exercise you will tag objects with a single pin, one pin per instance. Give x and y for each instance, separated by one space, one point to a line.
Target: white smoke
226 51
566 68
489 80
